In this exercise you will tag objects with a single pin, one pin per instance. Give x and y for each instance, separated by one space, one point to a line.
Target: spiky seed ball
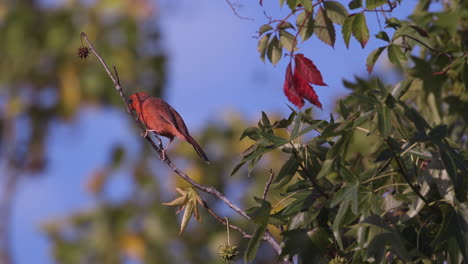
83 52
228 253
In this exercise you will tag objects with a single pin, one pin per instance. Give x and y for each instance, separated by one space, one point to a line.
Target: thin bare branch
208 189
268 183
224 222
231 5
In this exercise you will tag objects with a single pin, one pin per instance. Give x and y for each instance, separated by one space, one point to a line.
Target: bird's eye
130 101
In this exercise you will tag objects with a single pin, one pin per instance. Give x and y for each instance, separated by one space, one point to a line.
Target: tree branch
268 183
235 11
208 189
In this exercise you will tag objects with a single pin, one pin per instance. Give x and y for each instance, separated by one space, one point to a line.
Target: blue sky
214 67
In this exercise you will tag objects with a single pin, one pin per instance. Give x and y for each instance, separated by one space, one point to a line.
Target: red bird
159 117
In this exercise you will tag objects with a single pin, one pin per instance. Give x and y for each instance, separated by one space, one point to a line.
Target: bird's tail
197 148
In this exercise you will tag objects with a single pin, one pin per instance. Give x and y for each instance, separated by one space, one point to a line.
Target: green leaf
272 138
284 123
347 29
384 115
373 57
413 32
383 36
355 4
344 111
287 40
360 30
401 88
285 25
337 223
336 12
345 173
264 29
327 167
260 214
237 168
262 45
251 132
307 4
449 163
265 120
324 28
305 25
392 23
292 4
396 56
372 4
254 243
286 172
274 51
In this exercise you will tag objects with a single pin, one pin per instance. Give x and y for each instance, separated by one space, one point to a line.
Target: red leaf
307 70
305 90
289 88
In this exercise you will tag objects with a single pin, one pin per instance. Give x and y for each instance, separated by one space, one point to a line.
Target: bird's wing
168 114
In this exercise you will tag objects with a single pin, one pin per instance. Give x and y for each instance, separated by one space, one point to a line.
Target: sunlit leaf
360 29
324 28
336 11
373 57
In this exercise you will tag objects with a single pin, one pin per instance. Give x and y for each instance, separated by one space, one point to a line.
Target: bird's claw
163 154
144 134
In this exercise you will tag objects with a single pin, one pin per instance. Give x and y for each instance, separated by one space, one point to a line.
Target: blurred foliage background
42 80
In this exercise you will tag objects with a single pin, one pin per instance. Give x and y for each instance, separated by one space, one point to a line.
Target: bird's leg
165 149
144 134
160 145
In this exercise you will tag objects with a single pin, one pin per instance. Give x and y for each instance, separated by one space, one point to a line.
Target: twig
450 65
403 172
235 11
268 183
208 189
312 179
224 222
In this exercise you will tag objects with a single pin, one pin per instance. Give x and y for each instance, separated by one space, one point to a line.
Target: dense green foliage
385 179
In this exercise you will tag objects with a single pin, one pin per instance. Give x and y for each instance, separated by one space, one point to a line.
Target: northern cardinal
159 117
